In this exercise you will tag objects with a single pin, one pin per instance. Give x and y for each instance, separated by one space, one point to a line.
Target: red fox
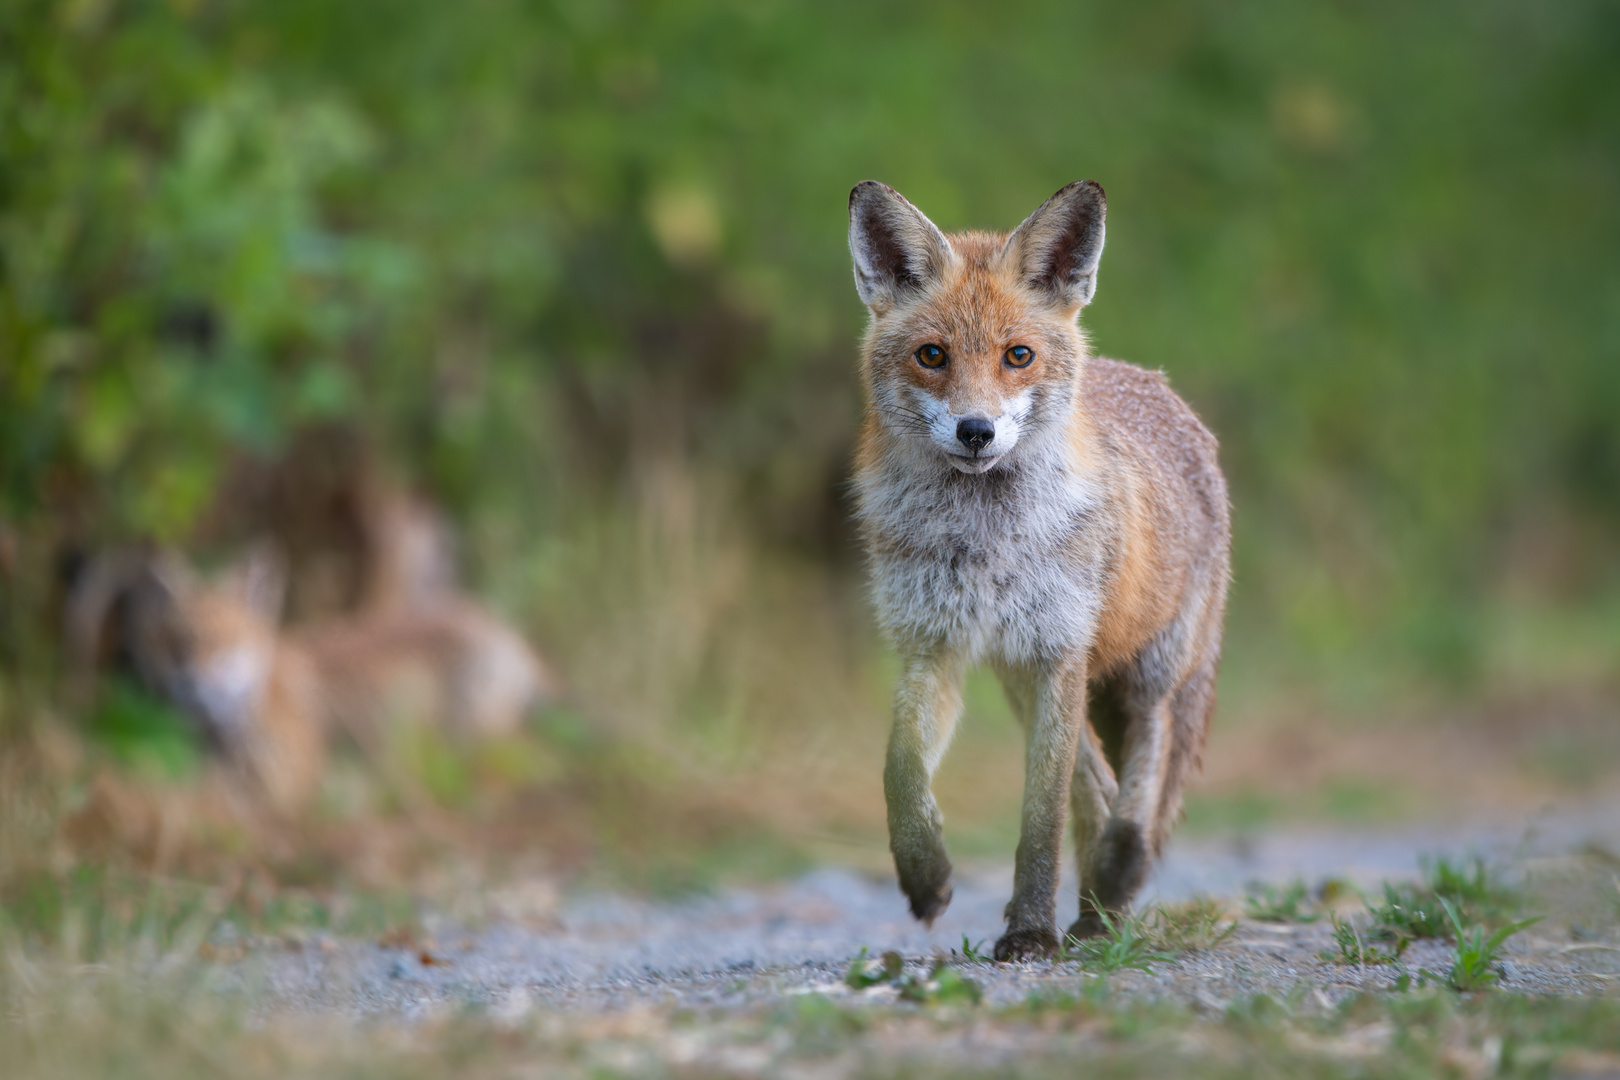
1055 514
214 649
268 701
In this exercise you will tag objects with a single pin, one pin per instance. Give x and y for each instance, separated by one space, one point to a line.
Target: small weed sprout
1473 965
865 971
1288 904
1354 949
973 954
942 985
1125 943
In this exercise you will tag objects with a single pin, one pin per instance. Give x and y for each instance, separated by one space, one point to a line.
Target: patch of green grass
1352 947
1408 911
1126 942
942 985
973 954
144 732
1474 961
865 971
353 912
1290 903
91 913
1159 934
1417 909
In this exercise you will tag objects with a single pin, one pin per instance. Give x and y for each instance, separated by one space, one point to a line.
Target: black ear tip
1086 189
867 188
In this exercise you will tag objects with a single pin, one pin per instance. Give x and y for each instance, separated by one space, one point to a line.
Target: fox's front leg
1056 710
927 704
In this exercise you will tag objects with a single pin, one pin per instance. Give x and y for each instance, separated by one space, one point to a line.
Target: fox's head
974 344
209 645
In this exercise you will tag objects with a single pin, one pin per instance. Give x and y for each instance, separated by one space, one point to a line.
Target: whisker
909 420
903 411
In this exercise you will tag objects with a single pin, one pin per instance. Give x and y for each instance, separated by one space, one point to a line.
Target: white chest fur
1007 565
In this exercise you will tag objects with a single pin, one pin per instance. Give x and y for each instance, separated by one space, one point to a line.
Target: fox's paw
1094 922
1033 944
1088 925
929 892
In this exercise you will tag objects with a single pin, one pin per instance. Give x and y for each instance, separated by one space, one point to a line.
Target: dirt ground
484 961
533 970
597 951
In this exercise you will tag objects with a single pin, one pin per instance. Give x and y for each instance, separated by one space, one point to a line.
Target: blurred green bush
534 249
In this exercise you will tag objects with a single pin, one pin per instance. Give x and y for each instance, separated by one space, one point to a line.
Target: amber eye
1020 356
931 356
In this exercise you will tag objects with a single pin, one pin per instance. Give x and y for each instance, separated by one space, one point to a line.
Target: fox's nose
975 433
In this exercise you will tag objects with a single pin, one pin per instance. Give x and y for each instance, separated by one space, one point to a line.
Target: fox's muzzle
975 433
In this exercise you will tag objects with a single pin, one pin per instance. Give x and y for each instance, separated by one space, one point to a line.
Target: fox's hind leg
1162 736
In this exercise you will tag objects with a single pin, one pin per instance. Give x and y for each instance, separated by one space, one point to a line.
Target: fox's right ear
897 250
1058 247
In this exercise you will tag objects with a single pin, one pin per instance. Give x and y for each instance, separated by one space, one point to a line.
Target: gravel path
747 946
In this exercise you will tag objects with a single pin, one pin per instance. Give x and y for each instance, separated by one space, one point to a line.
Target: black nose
975 433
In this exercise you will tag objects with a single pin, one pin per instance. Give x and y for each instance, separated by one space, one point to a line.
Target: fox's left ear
1058 247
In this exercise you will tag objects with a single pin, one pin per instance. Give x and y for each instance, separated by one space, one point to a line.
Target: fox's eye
1020 356
931 356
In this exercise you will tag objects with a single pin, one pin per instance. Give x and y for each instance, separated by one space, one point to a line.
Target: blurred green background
578 270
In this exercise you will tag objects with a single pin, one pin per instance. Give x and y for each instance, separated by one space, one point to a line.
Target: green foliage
1408 911
144 731
1351 946
942 985
99 913
1126 942
865 972
1418 910
1289 903
92 913
1473 965
1374 248
974 954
